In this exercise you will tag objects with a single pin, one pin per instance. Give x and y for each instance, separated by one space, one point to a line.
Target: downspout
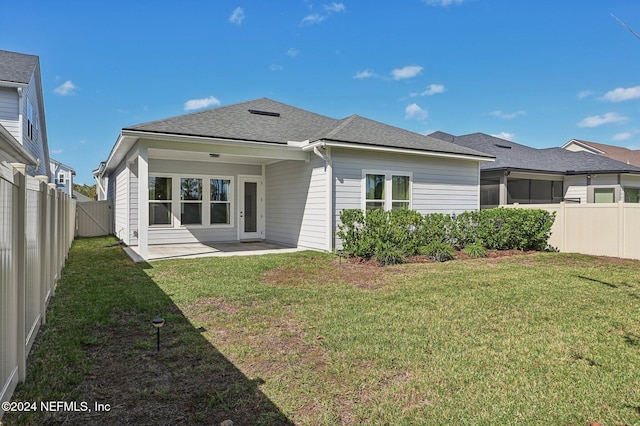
325 154
20 117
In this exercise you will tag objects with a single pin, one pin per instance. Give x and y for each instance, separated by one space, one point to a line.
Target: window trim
388 187
61 178
177 201
230 201
603 188
171 203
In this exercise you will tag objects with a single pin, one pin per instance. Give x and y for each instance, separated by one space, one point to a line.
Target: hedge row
391 236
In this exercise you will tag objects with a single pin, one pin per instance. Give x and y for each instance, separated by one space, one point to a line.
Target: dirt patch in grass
364 274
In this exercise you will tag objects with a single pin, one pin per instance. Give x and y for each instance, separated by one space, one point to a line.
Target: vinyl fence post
42 247
51 195
20 219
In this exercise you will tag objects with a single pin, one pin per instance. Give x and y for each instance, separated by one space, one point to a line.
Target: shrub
386 253
475 250
392 236
440 252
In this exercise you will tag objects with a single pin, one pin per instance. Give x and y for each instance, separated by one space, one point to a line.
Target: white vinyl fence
608 229
36 232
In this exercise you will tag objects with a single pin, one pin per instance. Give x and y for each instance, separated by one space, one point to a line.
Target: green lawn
545 338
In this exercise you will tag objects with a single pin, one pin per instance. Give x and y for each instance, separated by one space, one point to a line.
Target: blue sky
536 72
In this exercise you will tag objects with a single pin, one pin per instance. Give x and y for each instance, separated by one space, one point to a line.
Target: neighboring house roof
625 155
268 121
513 156
62 166
17 67
80 197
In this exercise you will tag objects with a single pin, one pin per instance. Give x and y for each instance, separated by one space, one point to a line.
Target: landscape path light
158 323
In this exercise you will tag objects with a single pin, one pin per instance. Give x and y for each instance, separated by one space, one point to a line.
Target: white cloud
621 94
237 16
505 135
293 52
599 120
200 103
622 136
506 115
276 67
443 2
314 18
584 94
414 112
55 151
433 89
625 136
329 9
66 89
364 74
409 71
334 7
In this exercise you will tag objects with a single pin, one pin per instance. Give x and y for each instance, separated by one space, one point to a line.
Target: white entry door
251 211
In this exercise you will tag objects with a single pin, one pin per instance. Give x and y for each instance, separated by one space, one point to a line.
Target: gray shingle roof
513 156
285 123
16 67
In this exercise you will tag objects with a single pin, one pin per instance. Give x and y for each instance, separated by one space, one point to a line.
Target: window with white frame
604 195
387 190
191 201
160 200
61 178
203 201
220 197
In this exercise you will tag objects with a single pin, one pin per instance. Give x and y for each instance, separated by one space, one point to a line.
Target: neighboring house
263 170
525 175
62 176
624 155
22 107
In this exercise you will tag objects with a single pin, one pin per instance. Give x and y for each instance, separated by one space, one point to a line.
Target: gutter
336 144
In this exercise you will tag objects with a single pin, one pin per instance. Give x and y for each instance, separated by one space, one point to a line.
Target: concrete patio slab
193 250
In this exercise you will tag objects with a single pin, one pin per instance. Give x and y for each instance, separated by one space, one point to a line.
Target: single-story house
264 170
619 153
526 175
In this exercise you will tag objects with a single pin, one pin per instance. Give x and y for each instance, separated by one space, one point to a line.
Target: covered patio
194 250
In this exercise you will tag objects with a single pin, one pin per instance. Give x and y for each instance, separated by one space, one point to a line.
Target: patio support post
143 201
503 190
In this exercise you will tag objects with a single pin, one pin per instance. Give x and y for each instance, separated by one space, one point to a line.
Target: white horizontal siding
9 111
191 235
133 203
575 187
35 144
184 168
120 204
440 185
295 203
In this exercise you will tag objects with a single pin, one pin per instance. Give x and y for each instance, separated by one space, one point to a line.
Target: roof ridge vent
267 113
502 146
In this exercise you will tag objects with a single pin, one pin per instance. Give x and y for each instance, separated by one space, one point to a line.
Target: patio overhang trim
333 144
128 139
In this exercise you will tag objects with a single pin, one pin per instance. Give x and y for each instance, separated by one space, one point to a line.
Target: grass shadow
99 346
597 281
